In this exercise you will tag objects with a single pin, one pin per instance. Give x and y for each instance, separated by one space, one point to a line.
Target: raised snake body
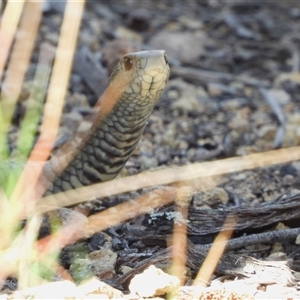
134 87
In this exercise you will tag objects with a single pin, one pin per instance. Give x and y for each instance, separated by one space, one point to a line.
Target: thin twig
274 105
268 237
210 76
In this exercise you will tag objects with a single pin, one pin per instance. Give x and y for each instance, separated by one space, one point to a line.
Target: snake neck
108 146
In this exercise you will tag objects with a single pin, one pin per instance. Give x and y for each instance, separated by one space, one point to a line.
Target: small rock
114 50
214 196
288 169
235 289
293 118
123 32
89 40
52 37
95 25
52 290
190 23
181 145
71 119
276 248
54 6
267 132
185 104
288 180
79 100
153 282
96 241
295 12
278 291
217 89
281 226
25 91
232 104
125 269
81 269
296 166
270 192
96 287
139 19
185 47
244 55
220 195
147 162
103 262
281 96
297 242
291 136
93 74
84 126
104 12
240 120
278 256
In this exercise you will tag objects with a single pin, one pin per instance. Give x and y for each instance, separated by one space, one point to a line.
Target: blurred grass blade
12 84
8 30
10 91
14 254
54 103
171 175
215 252
179 236
8 25
28 255
59 79
29 124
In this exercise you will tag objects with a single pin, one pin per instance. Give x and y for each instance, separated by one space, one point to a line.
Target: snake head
142 72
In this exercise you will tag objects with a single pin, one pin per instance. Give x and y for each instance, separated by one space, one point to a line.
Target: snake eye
166 59
128 63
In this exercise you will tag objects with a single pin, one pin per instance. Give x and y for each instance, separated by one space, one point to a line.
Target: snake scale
134 88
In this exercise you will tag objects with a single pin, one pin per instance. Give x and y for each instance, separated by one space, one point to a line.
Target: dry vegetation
21 254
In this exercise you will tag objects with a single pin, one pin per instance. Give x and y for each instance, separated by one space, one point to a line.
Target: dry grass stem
27 255
8 26
9 23
59 79
215 252
12 258
179 236
171 175
20 56
55 99
110 217
38 91
20 254
14 209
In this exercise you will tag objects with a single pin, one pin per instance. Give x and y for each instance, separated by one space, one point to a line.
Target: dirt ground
234 90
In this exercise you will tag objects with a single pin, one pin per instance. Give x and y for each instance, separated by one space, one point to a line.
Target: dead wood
202 222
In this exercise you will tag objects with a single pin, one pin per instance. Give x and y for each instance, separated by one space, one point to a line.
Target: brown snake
134 88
